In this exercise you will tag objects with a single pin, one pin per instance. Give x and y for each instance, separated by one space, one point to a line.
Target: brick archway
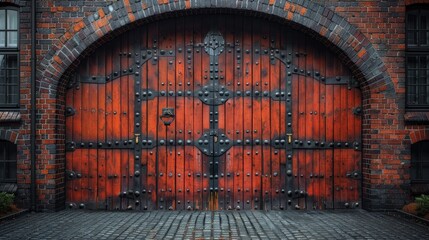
321 22
96 29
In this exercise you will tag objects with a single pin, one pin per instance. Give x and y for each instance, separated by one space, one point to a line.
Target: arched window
420 162
7 162
9 58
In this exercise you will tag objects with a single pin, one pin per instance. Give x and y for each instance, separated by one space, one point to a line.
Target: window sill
10 117
417 117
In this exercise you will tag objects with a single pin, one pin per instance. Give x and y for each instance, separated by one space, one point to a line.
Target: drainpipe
33 107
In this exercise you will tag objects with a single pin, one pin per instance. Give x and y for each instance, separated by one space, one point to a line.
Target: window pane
12 20
412 79
412 21
424 20
12 61
412 62
424 173
2 39
10 173
2 19
423 25
12 39
411 38
423 38
12 90
2 60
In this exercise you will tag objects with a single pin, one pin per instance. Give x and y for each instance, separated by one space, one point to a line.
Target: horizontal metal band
126 144
208 145
314 144
215 97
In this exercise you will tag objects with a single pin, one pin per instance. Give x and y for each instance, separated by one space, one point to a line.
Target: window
7 162
9 78
420 162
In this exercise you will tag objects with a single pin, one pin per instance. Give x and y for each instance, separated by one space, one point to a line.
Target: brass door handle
289 138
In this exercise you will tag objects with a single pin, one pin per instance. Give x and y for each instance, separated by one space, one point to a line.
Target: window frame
411 51
4 161
12 51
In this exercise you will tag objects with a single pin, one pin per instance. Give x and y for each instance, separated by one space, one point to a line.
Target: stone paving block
355 224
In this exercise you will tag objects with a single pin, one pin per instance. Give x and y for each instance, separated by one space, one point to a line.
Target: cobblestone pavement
353 224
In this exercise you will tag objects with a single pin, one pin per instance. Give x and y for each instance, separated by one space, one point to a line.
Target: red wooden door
220 112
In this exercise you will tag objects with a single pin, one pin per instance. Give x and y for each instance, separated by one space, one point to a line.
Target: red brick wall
376 30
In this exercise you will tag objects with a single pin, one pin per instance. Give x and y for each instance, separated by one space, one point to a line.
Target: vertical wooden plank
101 132
144 120
117 154
350 163
180 115
337 130
86 136
266 122
222 118
295 122
329 133
344 152
188 72
162 156
112 194
323 184
238 156
275 120
91 123
116 131
280 173
257 103
205 65
309 123
198 113
124 121
167 31
300 175
77 137
152 114
248 159
229 118
357 154
134 152
318 188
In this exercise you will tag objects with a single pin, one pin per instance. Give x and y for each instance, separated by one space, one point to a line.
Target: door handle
289 138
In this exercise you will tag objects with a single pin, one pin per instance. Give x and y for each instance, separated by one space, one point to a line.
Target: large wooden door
213 112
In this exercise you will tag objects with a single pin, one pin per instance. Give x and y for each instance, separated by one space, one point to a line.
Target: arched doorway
213 112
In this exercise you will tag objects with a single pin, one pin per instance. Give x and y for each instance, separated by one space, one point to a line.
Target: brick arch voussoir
9 135
310 16
419 135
